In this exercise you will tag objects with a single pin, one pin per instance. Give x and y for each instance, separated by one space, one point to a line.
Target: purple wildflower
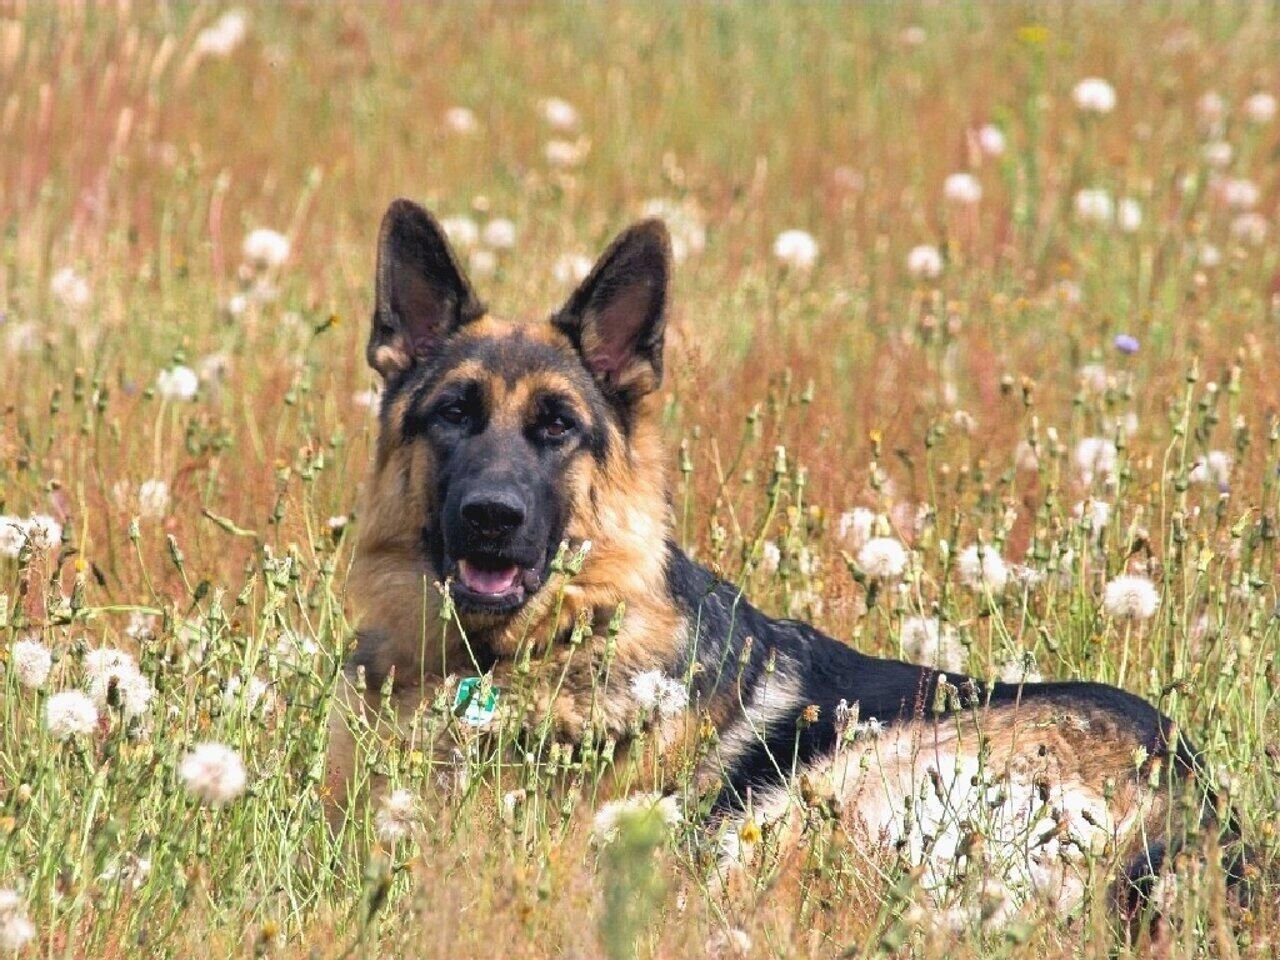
1126 343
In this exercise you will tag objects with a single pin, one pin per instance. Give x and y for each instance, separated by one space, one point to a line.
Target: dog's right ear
422 294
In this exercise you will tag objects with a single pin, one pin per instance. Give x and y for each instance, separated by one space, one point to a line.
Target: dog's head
500 440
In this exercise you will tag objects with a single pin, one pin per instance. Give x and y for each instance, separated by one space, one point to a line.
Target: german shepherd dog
517 529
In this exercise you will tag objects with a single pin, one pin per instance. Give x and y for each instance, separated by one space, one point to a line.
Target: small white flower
254 693
1020 668
685 224
44 532
771 557
1240 193
178 383
13 534
856 526
796 249
397 816
567 153
1211 107
924 261
560 114
1260 108
1208 256
1213 468
929 642
367 399
153 498
883 558
1094 95
213 367
570 269
141 627
1129 215
500 233
337 524
16 929
482 263
223 36
605 824
981 568
869 729
70 289
31 662
462 231
1025 456
114 672
70 714
1094 206
1131 597
991 140
1250 228
1098 513
213 773
1218 154
654 690
461 120
1096 456
265 248
962 188
106 661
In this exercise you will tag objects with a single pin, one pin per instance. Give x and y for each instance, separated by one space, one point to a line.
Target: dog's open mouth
493 584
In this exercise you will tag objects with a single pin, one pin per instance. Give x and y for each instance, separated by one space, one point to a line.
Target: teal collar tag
473 703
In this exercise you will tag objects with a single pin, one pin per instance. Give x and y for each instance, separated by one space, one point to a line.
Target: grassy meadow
1067 354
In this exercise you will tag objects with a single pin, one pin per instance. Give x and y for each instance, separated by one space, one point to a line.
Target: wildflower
213 773
482 263
1130 597
265 248
114 678
796 249
1218 154
560 114
570 269
1025 456
685 224
1240 193
13 534
153 498
397 816
256 692
871 728
223 36
1093 378
981 568
1211 107
178 383
924 261
70 714
883 558
605 824
1126 343
1097 512
1129 215
1208 256
1096 456
1250 228
1020 668
928 641
1260 108
16 929
855 526
1094 206
367 399
214 366
141 627
70 289
338 523
43 532
1213 468
462 231
500 233
461 120
771 557
31 662
1094 95
962 188
567 153
991 140
654 690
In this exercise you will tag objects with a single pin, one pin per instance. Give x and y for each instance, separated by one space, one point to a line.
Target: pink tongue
487 581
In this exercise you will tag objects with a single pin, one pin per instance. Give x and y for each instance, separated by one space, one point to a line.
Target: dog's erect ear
422 294
617 317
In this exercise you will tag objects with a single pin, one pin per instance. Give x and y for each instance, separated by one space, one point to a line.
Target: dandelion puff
991 141
685 224
1129 215
70 714
1094 206
1250 228
1020 668
771 557
1213 468
223 36
928 641
1218 154
482 264
1240 193
367 399
1097 512
13 534
461 120
962 188
925 262
43 532
16 929
178 383
1130 597
1094 95
111 671
500 234
559 114
566 154
1096 456
1260 108
70 289
654 690
397 816
609 818
1211 108
796 249
856 526
265 248
31 662
570 269
981 568
213 773
153 499
462 231
883 558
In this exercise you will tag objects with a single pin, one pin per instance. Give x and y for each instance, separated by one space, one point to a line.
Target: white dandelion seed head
1094 378
1019 668
685 224
265 248
13 534
213 773
43 532
1094 95
499 233
796 249
153 498
31 662
991 140
1250 228
178 383
1025 456
1240 193
566 154
1208 256
223 36
70 714
1130 597
1129 215
870 729
70 289
141 627
1097 512
16 929
962 188
856 526
482 263
928 641
1218 154
982 569
461 230
559 114
570 269
398 814
608 819
770 557
654 690
924 262
1096 457
883 558
108 661
107 670
367 399
1212 468
1260 107
1094 205
256 692
461 120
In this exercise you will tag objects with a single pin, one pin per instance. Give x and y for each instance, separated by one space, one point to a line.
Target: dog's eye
454 414
555 427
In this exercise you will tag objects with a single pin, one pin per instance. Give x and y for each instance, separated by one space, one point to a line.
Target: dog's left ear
617 317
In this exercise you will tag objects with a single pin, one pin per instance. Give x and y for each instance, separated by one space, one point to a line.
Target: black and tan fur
553 429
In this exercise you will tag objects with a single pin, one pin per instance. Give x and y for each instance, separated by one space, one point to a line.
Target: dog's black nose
493 514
